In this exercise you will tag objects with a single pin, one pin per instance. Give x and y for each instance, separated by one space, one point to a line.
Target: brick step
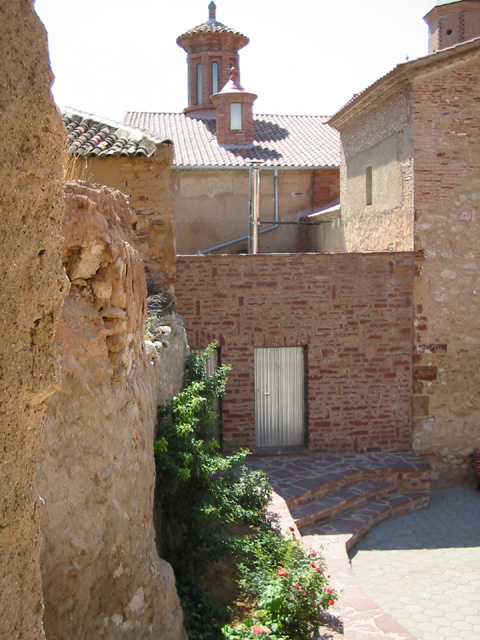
355 524
321 509
409 481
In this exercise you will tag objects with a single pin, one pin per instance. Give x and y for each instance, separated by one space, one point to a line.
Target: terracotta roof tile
89 135
279 141
212 26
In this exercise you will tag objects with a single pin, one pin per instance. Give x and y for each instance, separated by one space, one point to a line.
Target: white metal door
279 397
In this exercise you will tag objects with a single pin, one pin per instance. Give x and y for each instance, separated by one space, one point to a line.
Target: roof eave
402 73
225 167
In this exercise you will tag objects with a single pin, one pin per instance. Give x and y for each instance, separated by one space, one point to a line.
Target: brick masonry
447 227
429 112
326 187
352 312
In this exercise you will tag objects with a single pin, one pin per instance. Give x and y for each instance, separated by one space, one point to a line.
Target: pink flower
297 587
256 630
318 570
331 602
282 572
314 565
292 528
314 554
329 590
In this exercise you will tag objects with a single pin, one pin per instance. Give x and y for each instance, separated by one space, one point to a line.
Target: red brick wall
326 187
352 312
226 135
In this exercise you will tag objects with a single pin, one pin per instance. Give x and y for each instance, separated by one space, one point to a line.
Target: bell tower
212 50
451 22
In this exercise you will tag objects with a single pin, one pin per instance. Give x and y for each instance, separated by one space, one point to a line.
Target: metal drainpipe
254 206
266 230
275 205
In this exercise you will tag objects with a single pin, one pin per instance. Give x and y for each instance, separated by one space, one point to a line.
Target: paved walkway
415 577
424 567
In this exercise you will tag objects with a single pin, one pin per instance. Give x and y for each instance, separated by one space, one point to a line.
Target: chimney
212 11
234 109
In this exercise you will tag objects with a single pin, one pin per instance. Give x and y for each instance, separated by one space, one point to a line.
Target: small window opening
449 32
214 77
236 116
368 186
199 83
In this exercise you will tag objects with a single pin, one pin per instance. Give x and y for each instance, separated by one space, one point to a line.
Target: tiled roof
88 135
279 141
212 26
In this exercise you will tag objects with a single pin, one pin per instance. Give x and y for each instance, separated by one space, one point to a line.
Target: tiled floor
416 576
424 567
294 475
356 616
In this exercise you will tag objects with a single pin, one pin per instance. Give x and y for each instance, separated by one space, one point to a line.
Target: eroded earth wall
102 574
31 281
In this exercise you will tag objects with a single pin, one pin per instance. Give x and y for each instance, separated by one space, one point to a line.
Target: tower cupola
212 49
451 22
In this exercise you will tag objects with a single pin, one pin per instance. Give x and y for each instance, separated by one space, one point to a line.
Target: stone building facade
410 179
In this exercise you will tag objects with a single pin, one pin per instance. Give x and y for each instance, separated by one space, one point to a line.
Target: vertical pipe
254 209
256 228
275 196
251 219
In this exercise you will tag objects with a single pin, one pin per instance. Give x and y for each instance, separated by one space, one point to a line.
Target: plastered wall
212 207
384 143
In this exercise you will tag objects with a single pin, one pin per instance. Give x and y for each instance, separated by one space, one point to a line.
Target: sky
305 57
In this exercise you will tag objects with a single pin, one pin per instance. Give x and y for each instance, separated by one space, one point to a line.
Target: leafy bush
200 491
288 584
202 494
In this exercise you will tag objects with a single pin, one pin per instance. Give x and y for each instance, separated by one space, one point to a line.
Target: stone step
302 478
321 509
355 524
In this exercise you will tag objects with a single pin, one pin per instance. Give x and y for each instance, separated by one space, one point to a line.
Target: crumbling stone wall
146 182
31 211
102 575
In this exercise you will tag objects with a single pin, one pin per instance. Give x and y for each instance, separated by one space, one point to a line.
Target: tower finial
212 9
